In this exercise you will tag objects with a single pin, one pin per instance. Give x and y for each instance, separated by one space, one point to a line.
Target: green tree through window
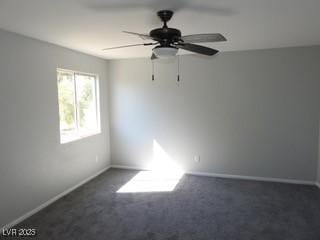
78 105
66 101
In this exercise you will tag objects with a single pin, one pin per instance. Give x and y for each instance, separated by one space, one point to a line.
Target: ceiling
90 25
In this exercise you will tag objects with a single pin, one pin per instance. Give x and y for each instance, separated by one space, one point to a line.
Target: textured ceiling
90 25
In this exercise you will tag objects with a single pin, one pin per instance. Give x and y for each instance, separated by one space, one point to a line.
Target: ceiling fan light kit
165 52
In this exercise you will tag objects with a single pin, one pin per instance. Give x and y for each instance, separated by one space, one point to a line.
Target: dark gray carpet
200 208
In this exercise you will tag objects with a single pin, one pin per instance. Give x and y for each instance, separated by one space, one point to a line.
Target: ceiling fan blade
153 56
131 45
197 49
141 35
205 37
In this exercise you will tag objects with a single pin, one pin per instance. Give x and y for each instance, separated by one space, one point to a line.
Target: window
78 105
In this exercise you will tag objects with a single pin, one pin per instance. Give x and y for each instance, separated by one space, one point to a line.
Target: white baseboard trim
219 175
130 167
262 179
52 200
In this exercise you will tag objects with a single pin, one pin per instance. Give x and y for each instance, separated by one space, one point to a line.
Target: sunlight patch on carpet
163 176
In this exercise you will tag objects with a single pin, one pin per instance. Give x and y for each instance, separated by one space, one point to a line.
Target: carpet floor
199 208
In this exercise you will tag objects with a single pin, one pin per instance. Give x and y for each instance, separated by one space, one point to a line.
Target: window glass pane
86 103
67 112
78 105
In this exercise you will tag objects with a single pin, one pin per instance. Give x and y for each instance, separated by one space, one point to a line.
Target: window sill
75 137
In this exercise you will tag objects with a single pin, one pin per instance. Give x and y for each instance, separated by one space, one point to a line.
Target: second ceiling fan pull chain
152 61
178 75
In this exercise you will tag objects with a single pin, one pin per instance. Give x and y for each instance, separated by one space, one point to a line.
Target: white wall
252 113
34 166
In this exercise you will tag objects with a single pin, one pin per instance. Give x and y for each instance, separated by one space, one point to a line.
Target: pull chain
152 70
178 75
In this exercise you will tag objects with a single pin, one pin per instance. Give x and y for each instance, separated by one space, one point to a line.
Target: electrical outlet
196 158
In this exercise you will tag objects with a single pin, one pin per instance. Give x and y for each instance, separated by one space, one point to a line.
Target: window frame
77 135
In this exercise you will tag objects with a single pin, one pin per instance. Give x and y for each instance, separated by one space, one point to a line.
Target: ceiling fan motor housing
165 36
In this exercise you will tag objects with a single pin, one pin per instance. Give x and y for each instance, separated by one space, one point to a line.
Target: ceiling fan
168 40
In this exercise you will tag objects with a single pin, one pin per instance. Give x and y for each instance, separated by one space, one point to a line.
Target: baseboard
219 175
263 179
130 167
52 200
